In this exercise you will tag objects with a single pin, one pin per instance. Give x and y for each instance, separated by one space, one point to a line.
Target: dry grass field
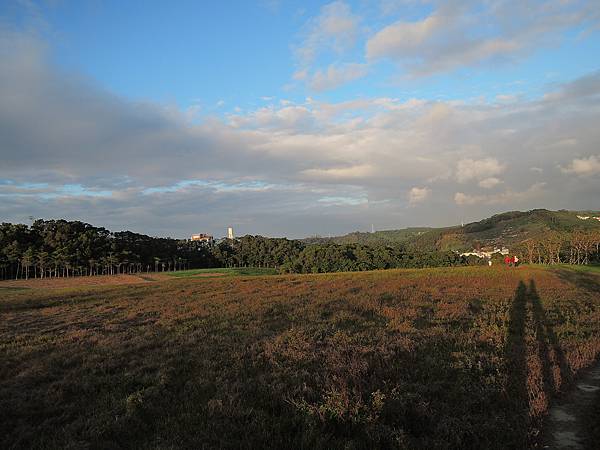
61 283
462 358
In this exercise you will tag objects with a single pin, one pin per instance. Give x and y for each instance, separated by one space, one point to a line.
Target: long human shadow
547 342
548 349
515 352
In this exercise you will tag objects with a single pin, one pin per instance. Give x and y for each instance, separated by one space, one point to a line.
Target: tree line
319 258
560 247
294 256
61 248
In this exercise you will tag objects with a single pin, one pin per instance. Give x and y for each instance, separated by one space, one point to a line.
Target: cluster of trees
556 247
256 251
293 256
60 248
330 257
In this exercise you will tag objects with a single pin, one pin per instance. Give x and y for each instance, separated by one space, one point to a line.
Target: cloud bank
461 33
71 149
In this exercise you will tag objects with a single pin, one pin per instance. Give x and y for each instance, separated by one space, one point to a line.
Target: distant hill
378 237
506 229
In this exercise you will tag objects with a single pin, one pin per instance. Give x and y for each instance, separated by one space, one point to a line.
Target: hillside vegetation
376 238
454 358
506 229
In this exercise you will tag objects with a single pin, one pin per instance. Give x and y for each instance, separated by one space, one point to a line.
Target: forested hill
376 238
508 229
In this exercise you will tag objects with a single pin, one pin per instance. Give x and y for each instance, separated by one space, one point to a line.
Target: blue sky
334 114
202 53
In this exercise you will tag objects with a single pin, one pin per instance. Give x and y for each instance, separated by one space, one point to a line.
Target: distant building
589 217
202 238
230 233
488 254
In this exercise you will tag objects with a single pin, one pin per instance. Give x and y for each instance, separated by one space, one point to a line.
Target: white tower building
230 233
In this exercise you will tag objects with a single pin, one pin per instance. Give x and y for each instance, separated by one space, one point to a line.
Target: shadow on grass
547 343
516 357
547 347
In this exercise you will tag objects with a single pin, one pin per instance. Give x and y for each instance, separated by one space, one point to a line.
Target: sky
296 119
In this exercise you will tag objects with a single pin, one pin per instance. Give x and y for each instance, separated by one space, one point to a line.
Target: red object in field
507 260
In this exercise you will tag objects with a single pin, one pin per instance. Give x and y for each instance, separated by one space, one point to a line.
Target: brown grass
75 282
436 358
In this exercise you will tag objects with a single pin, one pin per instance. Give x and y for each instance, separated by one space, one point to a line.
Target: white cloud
335 28
336 75
295 153
488 183
402 37
329 35
461 199
288 116
418 195
361 171
458 34
507 98
584 166
481 169
343 201
507 197
300 75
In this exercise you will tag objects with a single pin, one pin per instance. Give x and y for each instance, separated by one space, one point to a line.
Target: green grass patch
227 271
7 289
591 268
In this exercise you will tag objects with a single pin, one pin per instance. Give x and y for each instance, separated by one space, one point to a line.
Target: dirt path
565 427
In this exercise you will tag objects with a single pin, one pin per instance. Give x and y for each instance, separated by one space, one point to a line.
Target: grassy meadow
227 271
460 358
